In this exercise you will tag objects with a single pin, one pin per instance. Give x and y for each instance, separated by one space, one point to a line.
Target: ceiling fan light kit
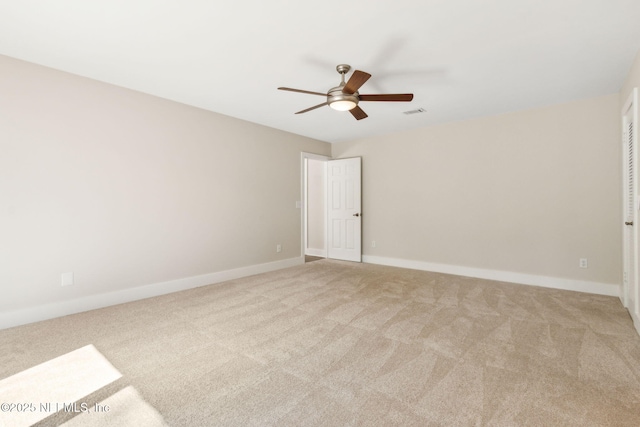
343 103
345 96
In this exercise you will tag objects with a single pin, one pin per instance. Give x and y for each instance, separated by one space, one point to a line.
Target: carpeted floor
333 343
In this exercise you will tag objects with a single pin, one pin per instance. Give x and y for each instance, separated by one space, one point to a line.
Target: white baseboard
608 289
63 308
316 252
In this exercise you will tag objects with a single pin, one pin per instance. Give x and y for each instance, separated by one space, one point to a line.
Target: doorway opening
314 199
331 208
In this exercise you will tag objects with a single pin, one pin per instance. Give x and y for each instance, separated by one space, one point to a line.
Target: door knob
356 214
628 223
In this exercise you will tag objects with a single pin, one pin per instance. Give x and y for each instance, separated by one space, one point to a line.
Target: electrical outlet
583 263
278 247
373 243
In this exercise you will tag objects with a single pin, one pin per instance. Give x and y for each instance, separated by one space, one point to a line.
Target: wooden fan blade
358 78
358 113
302 91
313 108
400 97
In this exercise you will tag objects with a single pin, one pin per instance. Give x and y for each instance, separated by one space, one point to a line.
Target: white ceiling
461 58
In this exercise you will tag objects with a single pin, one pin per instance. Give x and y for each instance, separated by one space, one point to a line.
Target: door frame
303 205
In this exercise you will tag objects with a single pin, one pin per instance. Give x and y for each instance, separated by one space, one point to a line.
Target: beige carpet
332 343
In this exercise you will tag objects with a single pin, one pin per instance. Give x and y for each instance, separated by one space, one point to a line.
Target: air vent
418 111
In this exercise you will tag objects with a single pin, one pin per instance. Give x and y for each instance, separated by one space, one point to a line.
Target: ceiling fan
345 97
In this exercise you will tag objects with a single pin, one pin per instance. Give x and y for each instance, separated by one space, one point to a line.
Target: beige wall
528 192
126 189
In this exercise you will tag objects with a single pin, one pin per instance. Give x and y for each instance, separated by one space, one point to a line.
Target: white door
631 287
344 222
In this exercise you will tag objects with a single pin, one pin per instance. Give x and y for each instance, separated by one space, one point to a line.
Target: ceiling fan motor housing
336 98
